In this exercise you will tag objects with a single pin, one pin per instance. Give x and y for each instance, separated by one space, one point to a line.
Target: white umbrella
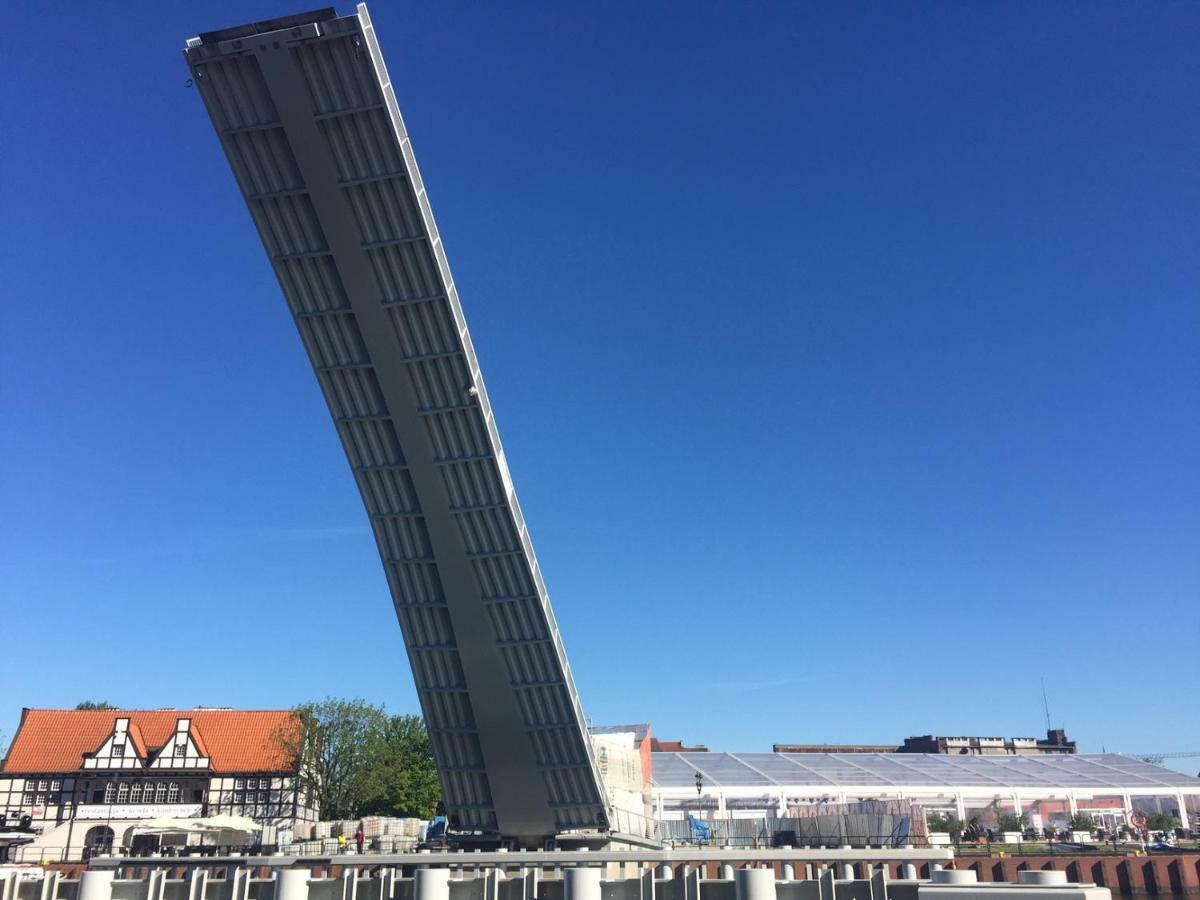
168 825
226 822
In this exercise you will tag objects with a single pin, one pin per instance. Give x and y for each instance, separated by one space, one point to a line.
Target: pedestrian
359 837
341 843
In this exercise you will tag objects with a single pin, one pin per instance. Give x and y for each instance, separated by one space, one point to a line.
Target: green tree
1162 821
1011 822
94 704
937 823
403 774
1082 822
334 744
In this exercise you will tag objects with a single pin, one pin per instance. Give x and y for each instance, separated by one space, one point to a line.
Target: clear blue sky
847 358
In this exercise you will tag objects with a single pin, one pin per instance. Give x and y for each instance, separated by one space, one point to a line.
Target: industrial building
1048 789
1055 743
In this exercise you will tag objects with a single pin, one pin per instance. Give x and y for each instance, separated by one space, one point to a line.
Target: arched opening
99 839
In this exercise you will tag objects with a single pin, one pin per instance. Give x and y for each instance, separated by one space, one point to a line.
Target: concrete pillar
910 872
726 872
1183 815
646 884
826 889
754 884
530 877
960 808
847 872
197 884
290 884
579 883
879 884
787 872
49 885
721 804
665 873
95 884
1072 806
808 872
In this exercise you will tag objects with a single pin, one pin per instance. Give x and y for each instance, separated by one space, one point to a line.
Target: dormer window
180 750
118 748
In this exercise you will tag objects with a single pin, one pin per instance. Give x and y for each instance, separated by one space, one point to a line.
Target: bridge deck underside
309 122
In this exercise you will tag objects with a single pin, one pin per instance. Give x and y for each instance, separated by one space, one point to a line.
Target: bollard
954 876
580 884
292 884
1041 876
754 884
665 873
847 872
95 884
431 884
910 872
788 872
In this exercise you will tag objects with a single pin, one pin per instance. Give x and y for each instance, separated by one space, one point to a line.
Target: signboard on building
137 810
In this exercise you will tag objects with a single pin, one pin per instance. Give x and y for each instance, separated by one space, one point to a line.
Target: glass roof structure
889 771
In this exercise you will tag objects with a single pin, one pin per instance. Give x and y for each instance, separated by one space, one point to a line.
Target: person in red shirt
359 837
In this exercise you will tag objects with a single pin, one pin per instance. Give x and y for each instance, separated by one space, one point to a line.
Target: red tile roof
56 740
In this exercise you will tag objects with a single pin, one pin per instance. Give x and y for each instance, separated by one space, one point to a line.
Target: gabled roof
56 740
139 743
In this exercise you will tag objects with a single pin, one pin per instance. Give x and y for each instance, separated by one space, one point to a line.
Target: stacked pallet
322 830
346 827
375 826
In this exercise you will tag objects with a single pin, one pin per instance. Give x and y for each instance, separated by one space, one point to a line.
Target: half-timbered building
89 778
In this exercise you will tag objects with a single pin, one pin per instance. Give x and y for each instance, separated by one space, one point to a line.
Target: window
56 784
118 748
110 793
240 783
123 792
173 792
27 800
43 784
180 749
262 796
39 800
160 792
135 793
